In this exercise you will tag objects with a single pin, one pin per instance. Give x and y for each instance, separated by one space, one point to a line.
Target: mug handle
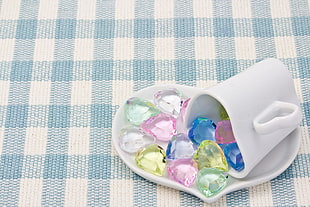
278 115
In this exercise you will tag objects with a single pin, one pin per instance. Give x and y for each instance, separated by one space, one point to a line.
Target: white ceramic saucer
277 161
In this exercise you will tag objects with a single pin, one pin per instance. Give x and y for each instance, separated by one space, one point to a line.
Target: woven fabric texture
66 66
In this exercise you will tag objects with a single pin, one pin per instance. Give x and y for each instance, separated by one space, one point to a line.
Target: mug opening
207 106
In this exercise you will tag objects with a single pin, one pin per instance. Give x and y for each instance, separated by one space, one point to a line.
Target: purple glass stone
183 171
180 147
224 133
202 129
234 156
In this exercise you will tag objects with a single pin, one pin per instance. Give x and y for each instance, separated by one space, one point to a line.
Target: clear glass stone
131 139
169 101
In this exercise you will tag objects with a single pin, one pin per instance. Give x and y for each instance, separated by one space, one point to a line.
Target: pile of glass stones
203 156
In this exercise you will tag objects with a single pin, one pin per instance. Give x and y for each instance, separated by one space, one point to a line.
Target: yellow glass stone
152 159
210 155
223 113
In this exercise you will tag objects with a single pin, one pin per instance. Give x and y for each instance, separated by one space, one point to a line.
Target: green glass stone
211 181
152 159
210 155
138 110
223 113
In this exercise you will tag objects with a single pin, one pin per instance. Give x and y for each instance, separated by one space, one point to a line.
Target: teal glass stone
211 181
138 110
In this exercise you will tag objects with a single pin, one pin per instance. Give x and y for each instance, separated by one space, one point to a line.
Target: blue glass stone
222 146
234 156
180 147
202 129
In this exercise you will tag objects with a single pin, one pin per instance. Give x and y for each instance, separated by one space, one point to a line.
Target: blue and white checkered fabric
66 66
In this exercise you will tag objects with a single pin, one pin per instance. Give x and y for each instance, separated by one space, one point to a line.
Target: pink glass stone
183 171
184 107
224 133
162 126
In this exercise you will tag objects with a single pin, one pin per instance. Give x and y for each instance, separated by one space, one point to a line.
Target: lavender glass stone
183 171
138 110
180 147
224 133
169 101
131 139
202 129
234 156
162 126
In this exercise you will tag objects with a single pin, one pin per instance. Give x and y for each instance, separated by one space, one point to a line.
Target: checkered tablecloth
66 66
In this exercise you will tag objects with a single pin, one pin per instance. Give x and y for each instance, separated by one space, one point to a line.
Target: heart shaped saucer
277 161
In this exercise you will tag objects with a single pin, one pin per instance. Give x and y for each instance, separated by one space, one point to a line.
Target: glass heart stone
180 147
152 159
169 101
210 155
211 181
202 129
234 156
162 126
224 133
181 128
183 171
138 110
223 113
183 109
131 139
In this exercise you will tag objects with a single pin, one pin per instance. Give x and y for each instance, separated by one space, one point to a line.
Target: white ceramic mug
262 105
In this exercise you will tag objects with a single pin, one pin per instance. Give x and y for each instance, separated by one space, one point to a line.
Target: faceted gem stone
222 146
131 139
179 147
210 155
138 110
223 113
211 181
162 126
224 133
202 129
184 107
181 128
169 101
152 159
183 171
234 156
